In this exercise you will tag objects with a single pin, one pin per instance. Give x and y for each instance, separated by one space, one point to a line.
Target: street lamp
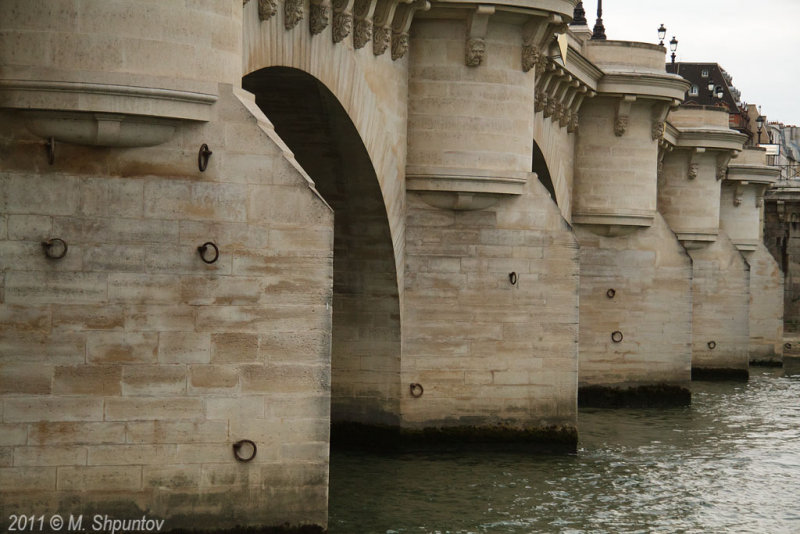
760 124
720 92
662 33
673 46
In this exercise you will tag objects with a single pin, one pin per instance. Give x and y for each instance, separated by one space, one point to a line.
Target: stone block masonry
129 367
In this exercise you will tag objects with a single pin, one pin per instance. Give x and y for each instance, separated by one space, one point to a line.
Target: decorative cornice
757 174
107 98
711 138
643 85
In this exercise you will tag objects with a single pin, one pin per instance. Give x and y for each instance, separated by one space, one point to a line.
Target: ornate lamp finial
579 16
599 33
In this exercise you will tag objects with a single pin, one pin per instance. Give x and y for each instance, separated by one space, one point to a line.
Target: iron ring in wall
204 247
512 277
49 246
611 293
203 156
237 450
416 389
712 345
616 336
787 346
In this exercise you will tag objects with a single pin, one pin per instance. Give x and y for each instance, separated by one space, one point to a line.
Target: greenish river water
728 463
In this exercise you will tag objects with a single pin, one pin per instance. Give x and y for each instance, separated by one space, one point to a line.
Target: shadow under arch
365 343
539 166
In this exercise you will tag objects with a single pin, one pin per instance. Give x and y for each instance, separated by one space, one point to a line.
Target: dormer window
694 91
704 74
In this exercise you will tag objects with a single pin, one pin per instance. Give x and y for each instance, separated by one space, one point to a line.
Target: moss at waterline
710 374
285 529
652 396
766 363
552 439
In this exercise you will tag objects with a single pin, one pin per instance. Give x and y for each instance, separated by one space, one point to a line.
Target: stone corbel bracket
293 13
320 16
622 114
723 159
363 11
342 19
382 25
535 35
477 25
738 193
266 8
566 108
659 117
555 92
694 167
402 22
543 78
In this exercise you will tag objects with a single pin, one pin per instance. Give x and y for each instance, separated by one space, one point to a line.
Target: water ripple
729 463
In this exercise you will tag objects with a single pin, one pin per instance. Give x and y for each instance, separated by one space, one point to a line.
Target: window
694 91
704 74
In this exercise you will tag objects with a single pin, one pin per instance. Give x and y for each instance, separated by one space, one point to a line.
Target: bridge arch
365 344
373 91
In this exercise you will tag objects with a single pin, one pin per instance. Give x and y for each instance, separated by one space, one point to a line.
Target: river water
728 463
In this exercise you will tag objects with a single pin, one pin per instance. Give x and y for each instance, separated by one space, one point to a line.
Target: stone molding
105 98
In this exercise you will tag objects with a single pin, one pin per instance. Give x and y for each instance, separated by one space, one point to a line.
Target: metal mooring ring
203 156
202 250
611 293
51 150
787 346
237 448
512 277
48 248
712 345
416 390
616 336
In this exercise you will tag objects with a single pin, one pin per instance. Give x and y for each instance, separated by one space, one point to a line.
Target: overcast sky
756 41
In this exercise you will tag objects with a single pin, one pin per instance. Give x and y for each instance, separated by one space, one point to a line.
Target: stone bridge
369 221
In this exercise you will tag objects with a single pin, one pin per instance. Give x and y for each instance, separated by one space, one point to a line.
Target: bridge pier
689 198
635 305
741 208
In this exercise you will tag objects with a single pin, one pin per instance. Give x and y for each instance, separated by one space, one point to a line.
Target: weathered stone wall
720 319
640 285
129 367
782 239
489 352
766 307
558 150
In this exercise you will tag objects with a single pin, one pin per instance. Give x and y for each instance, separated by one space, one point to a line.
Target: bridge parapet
615 176
692 172
472 78
114 78
743 189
